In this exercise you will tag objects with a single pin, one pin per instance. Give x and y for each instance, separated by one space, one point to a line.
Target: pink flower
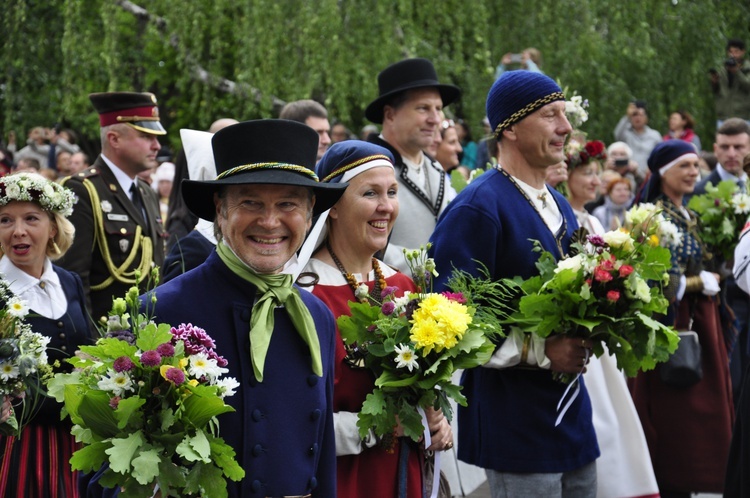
123 364
608 264
613 295
601 275
625 270
388 291
388 308
150 358
114 402
166 350
717 202
455 296
176 376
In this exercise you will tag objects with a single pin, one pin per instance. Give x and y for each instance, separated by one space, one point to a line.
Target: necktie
137 200
274 290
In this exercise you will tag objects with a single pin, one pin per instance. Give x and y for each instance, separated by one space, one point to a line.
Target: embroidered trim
528 109
353 165
257 166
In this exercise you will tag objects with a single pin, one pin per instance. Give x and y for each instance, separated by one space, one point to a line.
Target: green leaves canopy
55 53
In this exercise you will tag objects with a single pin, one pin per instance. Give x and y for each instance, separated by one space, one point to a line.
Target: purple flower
596 240
196 341
165 350
150 358
123 335
388 308
176 376
123 364
389 290
411 307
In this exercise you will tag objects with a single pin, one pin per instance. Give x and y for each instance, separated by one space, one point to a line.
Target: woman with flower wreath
34 231
624 468
688 429
343 269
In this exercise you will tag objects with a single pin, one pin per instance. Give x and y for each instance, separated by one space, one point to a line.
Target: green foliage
55 53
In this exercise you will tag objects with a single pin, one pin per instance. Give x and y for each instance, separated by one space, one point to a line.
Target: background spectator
681 126
633 129
731 84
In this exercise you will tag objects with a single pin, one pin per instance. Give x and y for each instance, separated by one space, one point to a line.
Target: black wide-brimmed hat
266 151
138 110
407 74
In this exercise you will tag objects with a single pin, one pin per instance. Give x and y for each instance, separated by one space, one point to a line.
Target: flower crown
31 187
581 156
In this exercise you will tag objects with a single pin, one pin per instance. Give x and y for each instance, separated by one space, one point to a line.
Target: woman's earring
56 248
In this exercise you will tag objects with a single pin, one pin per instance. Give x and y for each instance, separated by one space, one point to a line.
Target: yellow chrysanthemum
439 323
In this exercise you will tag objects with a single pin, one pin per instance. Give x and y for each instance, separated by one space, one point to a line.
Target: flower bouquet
723 210
144 400
608 290
24 365
413 344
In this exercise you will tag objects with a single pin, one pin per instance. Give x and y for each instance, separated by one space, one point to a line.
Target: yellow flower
163 370
653 241
439 323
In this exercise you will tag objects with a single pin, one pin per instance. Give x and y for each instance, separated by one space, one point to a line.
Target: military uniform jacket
112 239
282 430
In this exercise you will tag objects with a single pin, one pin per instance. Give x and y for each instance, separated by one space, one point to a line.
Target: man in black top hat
118 225
278 342
408 107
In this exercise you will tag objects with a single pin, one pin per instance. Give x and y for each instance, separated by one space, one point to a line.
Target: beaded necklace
379 278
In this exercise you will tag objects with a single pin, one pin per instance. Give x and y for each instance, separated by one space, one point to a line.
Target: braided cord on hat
528 109
352 165
259 166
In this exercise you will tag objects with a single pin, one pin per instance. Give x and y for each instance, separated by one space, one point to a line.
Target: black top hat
405 75
138 110
265 151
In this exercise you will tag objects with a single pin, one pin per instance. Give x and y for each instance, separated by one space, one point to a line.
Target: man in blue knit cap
512 426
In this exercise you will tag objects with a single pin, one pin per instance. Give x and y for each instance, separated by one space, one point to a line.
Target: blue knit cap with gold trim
516 94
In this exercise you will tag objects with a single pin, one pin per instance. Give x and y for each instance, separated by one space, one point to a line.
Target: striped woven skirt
37 465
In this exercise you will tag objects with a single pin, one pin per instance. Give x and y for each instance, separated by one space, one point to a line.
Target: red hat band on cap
147 113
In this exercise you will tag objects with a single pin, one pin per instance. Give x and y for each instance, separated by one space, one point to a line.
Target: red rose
602 275
613 295
625 270
595 149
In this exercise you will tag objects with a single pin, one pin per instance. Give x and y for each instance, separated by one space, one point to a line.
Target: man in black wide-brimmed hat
278 341
408 107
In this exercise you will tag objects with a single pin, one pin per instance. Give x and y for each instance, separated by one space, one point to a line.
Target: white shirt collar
122 178
43 295
726 175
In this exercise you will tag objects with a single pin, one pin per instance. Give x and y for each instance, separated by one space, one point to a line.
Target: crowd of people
278 223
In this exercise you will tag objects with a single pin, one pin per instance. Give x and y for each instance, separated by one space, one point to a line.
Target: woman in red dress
355 229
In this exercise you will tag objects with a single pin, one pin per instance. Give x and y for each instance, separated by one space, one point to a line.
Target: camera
517 58
730 62
619 163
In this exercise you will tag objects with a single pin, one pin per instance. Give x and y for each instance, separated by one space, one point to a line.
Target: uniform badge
124 244
106 206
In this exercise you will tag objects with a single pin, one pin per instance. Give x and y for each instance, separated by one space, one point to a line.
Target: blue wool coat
508 424
282 430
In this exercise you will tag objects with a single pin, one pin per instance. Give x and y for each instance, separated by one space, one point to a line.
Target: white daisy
8 371
227 386
117 382
203 366
406 357
17 307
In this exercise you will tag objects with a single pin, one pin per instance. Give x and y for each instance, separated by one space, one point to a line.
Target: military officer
118 226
